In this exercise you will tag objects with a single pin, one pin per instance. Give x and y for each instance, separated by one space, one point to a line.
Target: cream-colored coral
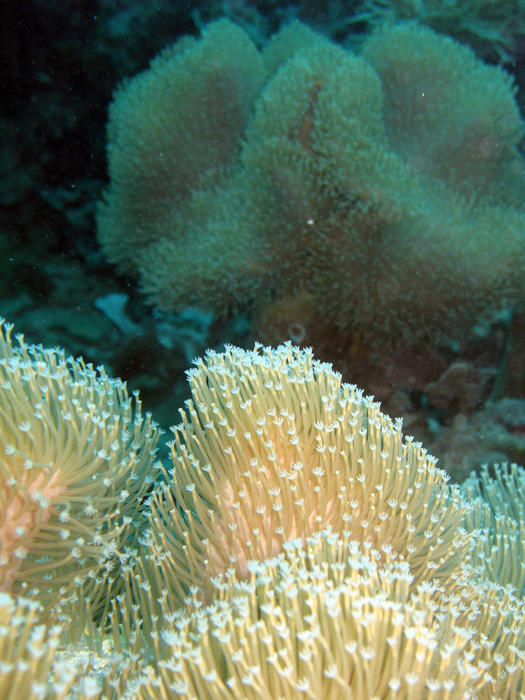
331 618
30 664
76 459
300 547
274 446
498 513
36 665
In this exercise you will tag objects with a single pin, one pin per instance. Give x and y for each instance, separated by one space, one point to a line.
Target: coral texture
371 184
273 446
299 546
499 516
493 28
76 464
30 664
409 592
330 618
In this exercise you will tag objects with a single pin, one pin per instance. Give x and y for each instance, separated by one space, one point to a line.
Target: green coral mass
386 185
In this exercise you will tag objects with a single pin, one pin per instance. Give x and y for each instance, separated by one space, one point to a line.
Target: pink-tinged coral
274 446
75 466
27 508
300 546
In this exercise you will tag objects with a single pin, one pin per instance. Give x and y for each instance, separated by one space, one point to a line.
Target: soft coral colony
299 545
368 186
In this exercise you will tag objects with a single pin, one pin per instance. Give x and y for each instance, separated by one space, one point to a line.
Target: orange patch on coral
30 502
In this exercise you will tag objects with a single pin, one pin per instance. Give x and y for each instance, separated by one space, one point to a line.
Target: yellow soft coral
75 465
272 447
300 547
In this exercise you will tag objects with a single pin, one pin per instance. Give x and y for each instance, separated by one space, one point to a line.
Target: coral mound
372 184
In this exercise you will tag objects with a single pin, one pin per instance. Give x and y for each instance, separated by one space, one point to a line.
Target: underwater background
177 177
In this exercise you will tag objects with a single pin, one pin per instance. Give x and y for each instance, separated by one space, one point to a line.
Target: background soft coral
376 190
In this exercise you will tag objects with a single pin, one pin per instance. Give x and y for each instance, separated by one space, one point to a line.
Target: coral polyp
76 455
